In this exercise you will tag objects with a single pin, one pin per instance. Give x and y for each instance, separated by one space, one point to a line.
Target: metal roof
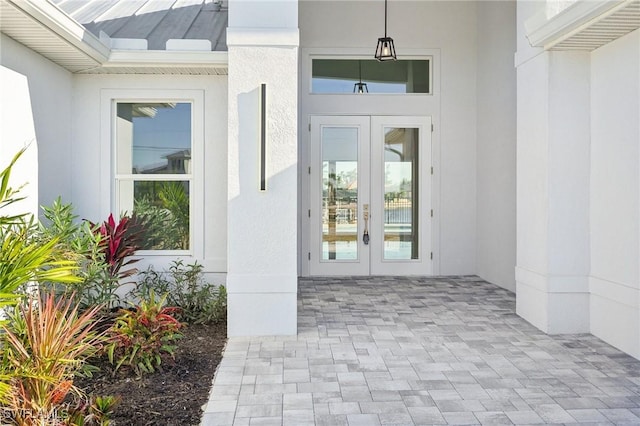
46 28
153 20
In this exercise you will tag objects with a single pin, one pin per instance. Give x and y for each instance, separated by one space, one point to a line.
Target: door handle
365 235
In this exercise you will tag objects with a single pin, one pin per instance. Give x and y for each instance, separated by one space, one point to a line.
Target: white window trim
322 53
109 99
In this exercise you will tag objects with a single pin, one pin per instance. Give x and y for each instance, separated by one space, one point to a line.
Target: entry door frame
371 166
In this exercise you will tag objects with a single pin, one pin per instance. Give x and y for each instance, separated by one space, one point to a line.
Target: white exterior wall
446 30
615 193
93 172
553 187
496 144
48 97
578 266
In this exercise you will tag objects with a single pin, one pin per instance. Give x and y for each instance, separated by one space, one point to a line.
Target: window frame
420 57
196 178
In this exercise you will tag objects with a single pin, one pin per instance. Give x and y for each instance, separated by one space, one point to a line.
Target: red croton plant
119 242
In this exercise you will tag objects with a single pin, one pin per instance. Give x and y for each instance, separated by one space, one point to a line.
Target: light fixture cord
360 71
385 18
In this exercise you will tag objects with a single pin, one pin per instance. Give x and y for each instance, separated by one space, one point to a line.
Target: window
340 76
154 176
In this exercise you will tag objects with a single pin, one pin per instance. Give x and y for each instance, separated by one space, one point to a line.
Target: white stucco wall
50 91
448 30
92 174
552 186
615 193
496 143
17 132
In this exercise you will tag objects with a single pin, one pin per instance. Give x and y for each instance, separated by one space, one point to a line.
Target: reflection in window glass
163 208
153 170
339 193
160 138
340 75
401 193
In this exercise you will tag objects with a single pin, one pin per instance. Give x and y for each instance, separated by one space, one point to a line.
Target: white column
552 287
262 271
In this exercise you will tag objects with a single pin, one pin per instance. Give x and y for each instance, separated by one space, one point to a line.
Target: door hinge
431 169
309 212
309 169
309 126
431 255
431 212
432 127
309 255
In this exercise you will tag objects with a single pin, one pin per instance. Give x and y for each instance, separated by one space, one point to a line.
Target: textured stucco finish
262 234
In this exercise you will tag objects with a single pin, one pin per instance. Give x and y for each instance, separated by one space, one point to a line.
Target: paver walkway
402 351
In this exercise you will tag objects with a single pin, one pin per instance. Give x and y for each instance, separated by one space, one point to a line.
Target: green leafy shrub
95 411
102 251
44 347
23 258
199 301
139 337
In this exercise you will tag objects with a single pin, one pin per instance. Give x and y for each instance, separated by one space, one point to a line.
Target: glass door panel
339 189
370 193
401 194
339 193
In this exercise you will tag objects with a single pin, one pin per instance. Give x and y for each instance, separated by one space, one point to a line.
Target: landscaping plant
44 347
142 335
23 258
79 241
101 250
119 242
200 302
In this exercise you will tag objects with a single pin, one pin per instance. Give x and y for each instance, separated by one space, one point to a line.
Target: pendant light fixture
360 87
385 50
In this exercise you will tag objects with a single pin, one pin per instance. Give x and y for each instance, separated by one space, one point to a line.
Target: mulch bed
173 396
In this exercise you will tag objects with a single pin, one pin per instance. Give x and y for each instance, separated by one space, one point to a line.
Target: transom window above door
337 76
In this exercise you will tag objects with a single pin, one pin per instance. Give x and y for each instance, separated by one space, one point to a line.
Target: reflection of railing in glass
398 211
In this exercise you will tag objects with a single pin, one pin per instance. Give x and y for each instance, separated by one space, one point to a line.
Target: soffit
585 25
620 22
26 29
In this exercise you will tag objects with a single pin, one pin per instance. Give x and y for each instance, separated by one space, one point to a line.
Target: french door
370 195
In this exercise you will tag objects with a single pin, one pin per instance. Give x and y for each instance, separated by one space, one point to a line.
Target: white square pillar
553 164
262 271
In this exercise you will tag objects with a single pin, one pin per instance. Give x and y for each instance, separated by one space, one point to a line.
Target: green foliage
23 258
102 251
139 337
44 347
164 213
79 241
175 199
159 226
199 301
96 411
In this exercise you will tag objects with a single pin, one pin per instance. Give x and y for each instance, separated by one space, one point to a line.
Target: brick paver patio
424 351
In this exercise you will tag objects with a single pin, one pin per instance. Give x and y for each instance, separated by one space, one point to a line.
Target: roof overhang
163 62
584 25
46 29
